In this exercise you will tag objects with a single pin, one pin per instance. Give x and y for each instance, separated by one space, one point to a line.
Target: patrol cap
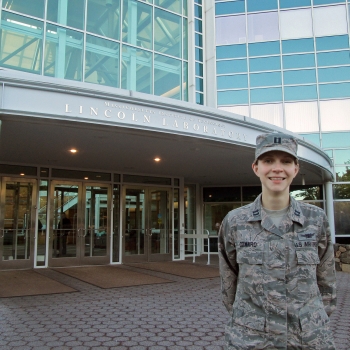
276 141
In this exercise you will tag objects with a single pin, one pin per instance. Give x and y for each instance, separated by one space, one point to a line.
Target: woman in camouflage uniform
277 261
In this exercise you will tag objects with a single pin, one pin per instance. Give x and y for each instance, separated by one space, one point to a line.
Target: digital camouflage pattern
276 141
278 284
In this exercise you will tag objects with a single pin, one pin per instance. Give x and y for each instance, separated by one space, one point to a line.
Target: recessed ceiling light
73 150
22 174
157 159
86 178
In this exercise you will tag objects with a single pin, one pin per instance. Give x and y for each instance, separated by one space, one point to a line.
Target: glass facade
288 63
129 44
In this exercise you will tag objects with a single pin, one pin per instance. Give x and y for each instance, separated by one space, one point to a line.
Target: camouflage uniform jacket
278 284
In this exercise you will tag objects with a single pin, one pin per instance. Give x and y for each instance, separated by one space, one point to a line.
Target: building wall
287 62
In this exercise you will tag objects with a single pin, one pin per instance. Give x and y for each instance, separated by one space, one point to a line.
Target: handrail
197 236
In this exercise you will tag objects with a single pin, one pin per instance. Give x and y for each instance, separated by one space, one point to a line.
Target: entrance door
79 223
17 223
146 225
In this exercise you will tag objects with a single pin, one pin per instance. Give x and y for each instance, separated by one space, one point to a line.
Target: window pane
167 77
306 192
263 27
230 30
265 79
137 23
335 139
21 43
330 20
342 192
266 95
334 91
298 61
231 66
264 49
331 110
221 194
301 116
342 173
229 7
184 38
294 3
333 74
296 24
266 63
68 13
199 69
241 110
301 92
302 76
314 138
269 113
32 8
174 5
63 53
102 20
261 5
298 45
185 81
233 97
231 51
332 42
101 61
324 2
136 70
232 81
342 211
342 156
333 58
167 33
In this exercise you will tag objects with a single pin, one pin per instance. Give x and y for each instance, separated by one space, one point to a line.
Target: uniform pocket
307 257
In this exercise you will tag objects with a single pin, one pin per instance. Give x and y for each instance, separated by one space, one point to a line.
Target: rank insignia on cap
297 213
256 212
277 140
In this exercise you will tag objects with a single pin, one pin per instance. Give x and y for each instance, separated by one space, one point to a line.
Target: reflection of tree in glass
344 176
309 193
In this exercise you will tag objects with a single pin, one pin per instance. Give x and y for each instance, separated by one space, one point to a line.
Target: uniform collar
295 213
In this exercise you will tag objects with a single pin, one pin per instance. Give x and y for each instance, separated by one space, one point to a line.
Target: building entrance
17 223
79 223
146 224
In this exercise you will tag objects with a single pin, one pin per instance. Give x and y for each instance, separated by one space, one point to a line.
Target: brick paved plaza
184 314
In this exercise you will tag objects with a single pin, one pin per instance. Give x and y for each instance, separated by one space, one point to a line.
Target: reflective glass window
333 74
199 84
229 7
302 76
342 214
302 116
263 26
240 110
335 139
231 66
332 42
233 97
342 173
63 53
137 23
198 11
199 69
221 194
325 2
184 6
294 3
330 20
32 8
199 54
231 51
342 192
296 24
232 81
199 98
230 30
301 92
167 77
101 61
264 49
265 95
335 110
264 63
268 112
198 39
167 33
184 81
298 45
21 43
306 192
298 61
261 5
342 156
265 79
198 25
333 58
136 70
314 138
184 38
68 13
250 193
173 5
102 19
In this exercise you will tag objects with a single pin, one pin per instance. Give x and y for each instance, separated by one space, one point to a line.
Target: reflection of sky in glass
342 156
